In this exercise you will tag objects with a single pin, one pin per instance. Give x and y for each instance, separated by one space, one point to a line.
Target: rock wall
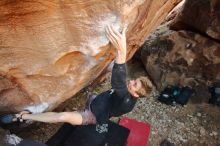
190 55
182 57
49 50
201 16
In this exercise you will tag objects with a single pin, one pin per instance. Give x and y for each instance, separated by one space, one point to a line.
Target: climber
115 102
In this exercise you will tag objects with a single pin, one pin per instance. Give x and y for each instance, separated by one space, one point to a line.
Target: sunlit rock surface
49 50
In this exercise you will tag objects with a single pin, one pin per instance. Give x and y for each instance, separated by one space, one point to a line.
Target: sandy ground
191 125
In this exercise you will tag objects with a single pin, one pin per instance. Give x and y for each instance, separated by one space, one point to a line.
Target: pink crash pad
139 131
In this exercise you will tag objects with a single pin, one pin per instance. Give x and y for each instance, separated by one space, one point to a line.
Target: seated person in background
112 103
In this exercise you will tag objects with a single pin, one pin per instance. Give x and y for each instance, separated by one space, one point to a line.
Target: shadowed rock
200 15
182 58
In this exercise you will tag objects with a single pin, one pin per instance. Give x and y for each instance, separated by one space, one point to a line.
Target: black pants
69 135
87 135
60 137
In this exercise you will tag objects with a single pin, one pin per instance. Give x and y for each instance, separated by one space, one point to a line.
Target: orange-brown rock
49 50
182 58
201 16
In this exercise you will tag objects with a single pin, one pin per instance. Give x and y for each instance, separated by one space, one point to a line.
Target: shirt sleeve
87 117
118 80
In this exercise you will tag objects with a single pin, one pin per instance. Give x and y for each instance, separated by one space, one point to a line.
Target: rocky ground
191 125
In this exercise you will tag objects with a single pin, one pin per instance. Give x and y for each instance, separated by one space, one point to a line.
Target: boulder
182 58
52 49
201 16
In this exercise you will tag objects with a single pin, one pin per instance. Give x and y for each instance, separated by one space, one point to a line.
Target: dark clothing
27 142
115 102
86 135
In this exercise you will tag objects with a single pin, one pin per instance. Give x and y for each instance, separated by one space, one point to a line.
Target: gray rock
202 131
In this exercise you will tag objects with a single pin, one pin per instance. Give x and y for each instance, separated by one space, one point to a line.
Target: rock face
182 58
190 55
49 50
200 15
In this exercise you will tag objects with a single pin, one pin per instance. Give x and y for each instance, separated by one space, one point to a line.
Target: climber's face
134 86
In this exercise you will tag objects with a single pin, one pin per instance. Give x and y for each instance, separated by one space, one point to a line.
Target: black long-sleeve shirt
115 102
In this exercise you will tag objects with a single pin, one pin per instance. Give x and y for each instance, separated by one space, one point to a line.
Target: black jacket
115 102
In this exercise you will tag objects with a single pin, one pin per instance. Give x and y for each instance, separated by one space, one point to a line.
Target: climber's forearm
51 117
121 57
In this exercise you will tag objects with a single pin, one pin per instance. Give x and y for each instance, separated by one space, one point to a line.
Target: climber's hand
19 115
118 40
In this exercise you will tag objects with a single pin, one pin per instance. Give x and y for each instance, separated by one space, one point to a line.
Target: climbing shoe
8 118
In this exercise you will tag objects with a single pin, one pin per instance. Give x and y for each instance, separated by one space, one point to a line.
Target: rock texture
2 137
182 58
200 15
188 56
51 49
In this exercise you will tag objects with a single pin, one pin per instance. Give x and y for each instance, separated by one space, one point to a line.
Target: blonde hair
146 87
